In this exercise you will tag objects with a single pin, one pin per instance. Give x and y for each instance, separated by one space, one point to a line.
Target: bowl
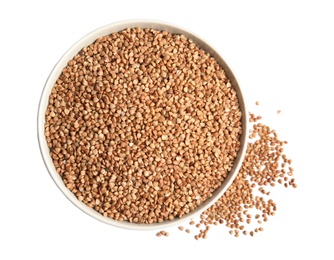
90 38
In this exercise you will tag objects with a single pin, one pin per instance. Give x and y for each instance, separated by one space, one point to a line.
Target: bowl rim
90 38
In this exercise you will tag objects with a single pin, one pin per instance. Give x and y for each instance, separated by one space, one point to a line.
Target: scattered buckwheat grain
162 233
181 228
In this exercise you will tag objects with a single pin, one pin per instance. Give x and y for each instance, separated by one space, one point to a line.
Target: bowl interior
90 38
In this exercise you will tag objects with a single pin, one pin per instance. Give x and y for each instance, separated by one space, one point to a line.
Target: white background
282 53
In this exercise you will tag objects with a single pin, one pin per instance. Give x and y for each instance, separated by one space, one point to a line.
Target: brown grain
143 125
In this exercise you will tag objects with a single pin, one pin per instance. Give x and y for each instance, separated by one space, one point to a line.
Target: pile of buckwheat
143 126
243 208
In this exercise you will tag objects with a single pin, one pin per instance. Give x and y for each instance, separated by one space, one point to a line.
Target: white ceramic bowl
90 38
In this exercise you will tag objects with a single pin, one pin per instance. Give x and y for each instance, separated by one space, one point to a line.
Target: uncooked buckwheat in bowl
142 125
